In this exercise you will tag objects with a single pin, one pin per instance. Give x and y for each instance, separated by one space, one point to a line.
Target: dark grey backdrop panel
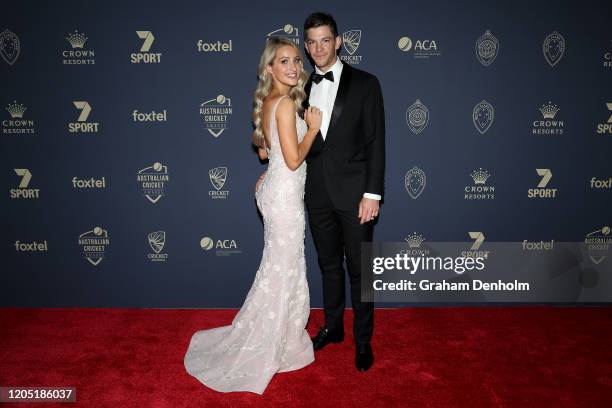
448 150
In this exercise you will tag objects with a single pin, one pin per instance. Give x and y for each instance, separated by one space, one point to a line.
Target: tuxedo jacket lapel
343 87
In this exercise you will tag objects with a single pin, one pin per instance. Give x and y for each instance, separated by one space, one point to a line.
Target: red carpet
425 357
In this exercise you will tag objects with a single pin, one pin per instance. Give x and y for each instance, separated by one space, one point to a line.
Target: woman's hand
263 154
259 180
313 117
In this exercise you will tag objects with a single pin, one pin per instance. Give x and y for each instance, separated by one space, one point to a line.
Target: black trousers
338 236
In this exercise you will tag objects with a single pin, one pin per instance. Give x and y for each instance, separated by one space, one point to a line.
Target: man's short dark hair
319 19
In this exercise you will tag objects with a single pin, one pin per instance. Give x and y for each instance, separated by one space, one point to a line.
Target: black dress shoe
324 337
363 357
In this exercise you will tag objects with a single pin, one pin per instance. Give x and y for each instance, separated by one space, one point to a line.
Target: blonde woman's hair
264 85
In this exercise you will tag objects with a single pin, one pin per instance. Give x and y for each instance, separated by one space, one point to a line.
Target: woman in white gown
268 335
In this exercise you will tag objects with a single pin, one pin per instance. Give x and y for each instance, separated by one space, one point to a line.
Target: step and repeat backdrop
128 175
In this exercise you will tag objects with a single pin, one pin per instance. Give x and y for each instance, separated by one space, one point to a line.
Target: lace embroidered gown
268 335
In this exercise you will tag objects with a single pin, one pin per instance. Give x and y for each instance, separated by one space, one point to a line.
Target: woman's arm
294 153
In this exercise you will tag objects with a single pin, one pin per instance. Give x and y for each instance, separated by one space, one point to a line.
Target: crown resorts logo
607 57
600 184
31 246
82 125
10 46
482 116
420 49
479 190
17 124
288 32
548 124
153 180
218 177
475 251
553 48
153 116
216 114
603 128
217 46
598 244
542 191
23 191
222 247
157 240
415 241
144 56
94 244
77 55
415 181
91 183
417 116
487 48
351 40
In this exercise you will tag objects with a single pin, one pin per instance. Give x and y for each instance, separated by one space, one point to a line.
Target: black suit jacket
351 159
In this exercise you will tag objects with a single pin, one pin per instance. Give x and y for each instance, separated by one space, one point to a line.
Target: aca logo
420 49
222 247
10 46
542 191
24 191
216 114
606 128
475 251
218 177
77 55
351 40
288 32
94 244
480 190
82 125
17 124
145 56
153 181
548 124
157 240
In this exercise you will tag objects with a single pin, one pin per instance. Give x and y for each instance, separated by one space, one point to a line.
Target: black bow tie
316 78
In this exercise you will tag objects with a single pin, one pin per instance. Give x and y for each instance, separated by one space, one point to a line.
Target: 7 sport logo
145 56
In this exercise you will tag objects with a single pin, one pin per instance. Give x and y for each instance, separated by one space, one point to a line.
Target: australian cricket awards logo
77 55
543 191
487 47
157 240
288 32
553 48
606 128
144 55
415 181
414 242
598 244
152 181
480 190
351 40
607 58
216 114
10 46
94 244
16 124
222 247
82 125
24 191
483 115
548 124
475 250
417 116
218 177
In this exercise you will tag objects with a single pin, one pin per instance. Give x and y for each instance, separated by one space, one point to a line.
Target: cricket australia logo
350 41
217 177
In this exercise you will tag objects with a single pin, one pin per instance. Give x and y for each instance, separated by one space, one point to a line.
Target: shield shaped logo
216 113
9 46
415 182
482 116
351 40
487 47
217 176
417 117
553 47
157 240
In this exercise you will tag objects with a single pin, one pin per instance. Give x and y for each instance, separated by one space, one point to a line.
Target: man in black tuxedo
345 179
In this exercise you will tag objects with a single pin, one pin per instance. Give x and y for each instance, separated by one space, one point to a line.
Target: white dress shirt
323 96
